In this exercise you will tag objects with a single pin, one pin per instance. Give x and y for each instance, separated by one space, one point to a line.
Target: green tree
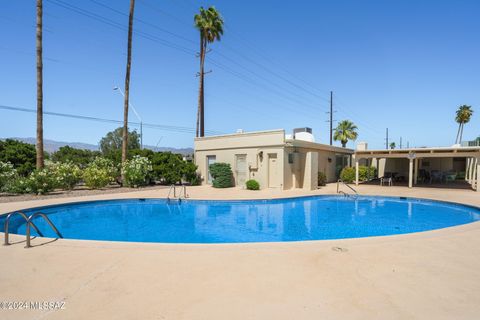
22 155
346 130
392 145
113 141
168 167
462 116
210 25
80 157
125 135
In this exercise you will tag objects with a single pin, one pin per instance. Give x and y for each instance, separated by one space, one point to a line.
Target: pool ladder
30 223
182 193
346 195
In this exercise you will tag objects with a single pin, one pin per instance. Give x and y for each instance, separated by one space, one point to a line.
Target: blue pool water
295 219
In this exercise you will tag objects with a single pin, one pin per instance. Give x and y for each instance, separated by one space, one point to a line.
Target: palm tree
39 144
346 130
392 145
210 24
127 83
463 115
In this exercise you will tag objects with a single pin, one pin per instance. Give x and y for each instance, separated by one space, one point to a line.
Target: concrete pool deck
428 275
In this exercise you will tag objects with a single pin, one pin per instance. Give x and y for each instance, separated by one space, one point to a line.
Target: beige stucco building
272 158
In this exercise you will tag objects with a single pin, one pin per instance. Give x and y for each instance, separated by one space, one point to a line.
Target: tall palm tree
127 84
463 115
210 24
39 144
346 130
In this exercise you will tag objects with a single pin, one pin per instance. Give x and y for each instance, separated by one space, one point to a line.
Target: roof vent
304 134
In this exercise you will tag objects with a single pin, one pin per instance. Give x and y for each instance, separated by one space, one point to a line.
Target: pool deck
428 275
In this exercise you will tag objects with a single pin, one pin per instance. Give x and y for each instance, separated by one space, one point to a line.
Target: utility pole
400 142
331 117
386 140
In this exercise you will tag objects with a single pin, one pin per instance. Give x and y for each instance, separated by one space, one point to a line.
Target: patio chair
386 180
450 177
436 176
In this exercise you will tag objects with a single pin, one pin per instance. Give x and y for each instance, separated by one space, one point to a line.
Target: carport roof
437 152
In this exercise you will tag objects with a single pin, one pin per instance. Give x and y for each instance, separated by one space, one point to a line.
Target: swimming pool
208 221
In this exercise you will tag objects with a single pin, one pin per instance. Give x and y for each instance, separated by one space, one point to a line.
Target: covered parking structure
447 160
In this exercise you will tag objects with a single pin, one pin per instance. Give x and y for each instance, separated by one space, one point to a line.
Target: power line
81 117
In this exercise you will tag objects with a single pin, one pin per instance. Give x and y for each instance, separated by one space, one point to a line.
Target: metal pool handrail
351 188
29 222
7 222
174 188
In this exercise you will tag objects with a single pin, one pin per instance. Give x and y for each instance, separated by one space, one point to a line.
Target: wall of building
297 162
257 147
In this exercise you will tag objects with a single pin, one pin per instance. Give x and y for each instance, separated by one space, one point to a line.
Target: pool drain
339 249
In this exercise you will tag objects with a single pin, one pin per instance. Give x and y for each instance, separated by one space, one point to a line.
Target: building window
290 158
210 160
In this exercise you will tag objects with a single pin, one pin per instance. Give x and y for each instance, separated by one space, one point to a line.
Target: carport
470 155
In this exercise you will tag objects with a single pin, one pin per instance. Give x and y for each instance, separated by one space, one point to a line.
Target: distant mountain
52 146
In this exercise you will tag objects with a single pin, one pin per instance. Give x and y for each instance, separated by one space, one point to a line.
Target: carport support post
410 173
416 171
356 171
477 172
467 170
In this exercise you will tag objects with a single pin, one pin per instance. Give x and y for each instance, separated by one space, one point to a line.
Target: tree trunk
39 145
200 88
458 132
461 134
344 144
127 84
201 96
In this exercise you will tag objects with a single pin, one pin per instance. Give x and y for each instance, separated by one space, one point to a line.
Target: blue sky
405 65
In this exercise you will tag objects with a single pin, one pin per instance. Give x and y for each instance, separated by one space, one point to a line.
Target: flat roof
422 152
251 133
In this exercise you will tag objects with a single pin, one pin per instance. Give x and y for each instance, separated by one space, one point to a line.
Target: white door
210 160
273 176
241 169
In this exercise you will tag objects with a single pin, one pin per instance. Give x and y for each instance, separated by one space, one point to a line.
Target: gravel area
77 192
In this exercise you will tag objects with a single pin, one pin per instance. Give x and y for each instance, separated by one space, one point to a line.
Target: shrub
66 174
39 182
348 174
80 157
252 185
8 175
100 173
190 173
322 179
136 172
20 154
17 185
167 167
366 173
222 175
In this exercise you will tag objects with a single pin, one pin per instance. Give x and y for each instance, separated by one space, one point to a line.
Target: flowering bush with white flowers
100 173
136 172
8 175
39 182
66 174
